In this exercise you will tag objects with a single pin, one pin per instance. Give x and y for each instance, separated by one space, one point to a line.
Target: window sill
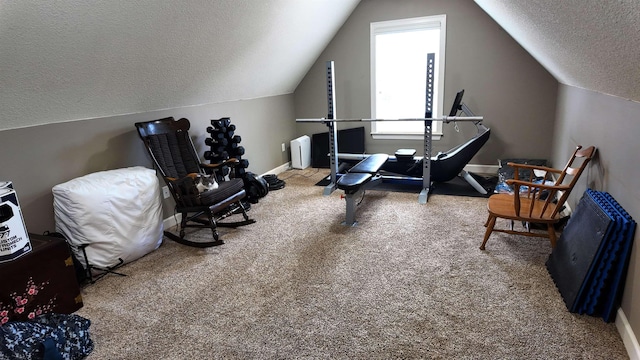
388 136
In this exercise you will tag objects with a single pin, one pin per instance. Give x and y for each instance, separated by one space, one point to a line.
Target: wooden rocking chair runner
536 202
170 146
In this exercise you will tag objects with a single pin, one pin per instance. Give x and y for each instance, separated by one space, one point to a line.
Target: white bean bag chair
116 213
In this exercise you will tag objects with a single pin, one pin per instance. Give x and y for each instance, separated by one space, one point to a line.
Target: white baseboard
628 337
171 221
280 169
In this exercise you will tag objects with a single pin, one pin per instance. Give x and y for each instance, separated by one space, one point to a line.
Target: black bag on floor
255 186
274 182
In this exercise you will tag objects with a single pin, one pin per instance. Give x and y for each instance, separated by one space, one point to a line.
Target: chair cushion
352 181
225 190
174 154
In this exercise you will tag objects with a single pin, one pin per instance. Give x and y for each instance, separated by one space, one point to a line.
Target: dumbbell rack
224 144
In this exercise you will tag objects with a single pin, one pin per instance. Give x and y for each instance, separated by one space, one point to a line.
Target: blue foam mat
619 272
590 260
570 261
595 282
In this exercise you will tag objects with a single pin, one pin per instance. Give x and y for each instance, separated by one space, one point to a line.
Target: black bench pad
370 165
361 173
352 181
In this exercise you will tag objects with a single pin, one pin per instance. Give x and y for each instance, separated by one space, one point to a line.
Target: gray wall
37 158
611 124
502 81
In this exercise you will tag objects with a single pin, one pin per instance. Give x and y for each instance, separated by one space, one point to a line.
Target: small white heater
301 152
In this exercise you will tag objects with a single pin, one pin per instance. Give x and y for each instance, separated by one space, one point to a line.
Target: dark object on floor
589 264
460 187
274 182
44 279
558 226
48 336
169 145
539 201
255 186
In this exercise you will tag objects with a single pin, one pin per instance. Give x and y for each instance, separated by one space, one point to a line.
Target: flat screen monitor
350 141
457 103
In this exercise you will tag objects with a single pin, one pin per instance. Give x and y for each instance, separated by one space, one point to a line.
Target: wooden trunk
42 281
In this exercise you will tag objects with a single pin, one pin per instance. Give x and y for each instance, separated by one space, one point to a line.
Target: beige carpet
407 282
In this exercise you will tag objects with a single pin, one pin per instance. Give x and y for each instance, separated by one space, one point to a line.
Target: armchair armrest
540 186
534 167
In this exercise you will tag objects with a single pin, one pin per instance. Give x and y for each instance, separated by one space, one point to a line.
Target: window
399 51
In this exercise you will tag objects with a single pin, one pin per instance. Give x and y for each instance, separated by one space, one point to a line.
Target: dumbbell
214 142
215 133
225 121
238 151
218 125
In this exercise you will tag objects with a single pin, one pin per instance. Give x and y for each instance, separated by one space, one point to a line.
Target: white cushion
117 213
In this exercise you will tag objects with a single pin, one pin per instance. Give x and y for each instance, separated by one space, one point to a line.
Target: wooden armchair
536 202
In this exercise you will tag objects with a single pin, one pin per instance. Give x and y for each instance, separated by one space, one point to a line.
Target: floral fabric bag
48 336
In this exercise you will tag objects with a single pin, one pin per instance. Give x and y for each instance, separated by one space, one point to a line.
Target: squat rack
331 122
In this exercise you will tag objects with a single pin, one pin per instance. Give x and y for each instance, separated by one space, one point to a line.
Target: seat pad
225 190
352 181
370 165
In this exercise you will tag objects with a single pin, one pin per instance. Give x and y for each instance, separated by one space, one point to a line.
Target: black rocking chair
169 145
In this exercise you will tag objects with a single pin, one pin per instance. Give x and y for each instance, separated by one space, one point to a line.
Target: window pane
398 73
401 71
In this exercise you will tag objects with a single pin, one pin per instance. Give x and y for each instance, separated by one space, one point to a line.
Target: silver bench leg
350 219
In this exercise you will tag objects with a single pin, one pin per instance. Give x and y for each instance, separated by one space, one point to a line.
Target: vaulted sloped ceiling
73 59
590 44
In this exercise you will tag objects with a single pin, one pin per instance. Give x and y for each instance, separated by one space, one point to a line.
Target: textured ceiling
591 44
74 59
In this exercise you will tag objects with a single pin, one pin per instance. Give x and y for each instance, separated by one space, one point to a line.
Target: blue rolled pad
351 182
370 165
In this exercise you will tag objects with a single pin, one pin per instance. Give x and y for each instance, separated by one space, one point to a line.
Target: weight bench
362 176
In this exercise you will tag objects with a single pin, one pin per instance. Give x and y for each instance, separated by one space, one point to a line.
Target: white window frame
425 22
